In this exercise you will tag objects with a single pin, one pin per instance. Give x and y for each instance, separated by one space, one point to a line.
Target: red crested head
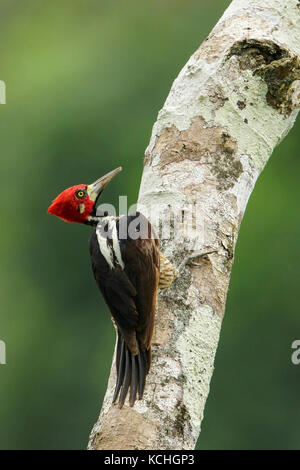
78 203
73 205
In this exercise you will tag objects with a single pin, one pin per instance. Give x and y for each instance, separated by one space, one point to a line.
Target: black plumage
125 262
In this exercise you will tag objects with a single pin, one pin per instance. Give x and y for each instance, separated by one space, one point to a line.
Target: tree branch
232 103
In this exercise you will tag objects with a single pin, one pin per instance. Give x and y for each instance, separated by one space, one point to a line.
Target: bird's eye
80 193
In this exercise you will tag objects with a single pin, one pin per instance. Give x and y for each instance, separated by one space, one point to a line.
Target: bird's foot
168 273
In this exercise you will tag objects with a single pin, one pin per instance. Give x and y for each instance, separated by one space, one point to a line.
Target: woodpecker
129 270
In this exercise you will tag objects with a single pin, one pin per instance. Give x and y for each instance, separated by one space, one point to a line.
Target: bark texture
232 103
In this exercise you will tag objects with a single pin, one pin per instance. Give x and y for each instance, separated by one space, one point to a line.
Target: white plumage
108 250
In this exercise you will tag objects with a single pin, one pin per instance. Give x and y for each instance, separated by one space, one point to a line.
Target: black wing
130 293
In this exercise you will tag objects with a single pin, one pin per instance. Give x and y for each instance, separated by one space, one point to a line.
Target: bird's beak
96 188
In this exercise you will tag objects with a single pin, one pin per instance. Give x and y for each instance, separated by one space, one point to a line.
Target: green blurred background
85 80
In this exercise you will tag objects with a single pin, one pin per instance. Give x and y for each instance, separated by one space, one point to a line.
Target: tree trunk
232 103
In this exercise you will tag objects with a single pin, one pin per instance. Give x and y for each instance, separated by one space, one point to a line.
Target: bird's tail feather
131 372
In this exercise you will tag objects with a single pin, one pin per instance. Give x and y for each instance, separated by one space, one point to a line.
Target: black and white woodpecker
129 269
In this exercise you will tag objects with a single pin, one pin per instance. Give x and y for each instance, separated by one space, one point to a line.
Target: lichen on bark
206 144
276 66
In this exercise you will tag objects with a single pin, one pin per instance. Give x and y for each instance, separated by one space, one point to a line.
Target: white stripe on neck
109 252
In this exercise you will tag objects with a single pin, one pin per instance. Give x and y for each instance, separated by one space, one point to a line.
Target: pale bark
232 103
